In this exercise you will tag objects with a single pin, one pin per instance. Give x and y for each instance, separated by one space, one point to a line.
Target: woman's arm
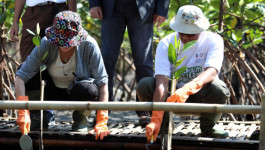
19 87
103 93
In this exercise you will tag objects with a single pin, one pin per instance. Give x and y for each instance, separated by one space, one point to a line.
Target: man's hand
14 32
153 128
159 20
101 128
23 119
96 12
182 94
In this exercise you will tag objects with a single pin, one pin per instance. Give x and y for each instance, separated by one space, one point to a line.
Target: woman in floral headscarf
76 68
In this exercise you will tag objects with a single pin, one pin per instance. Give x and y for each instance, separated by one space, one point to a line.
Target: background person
75 66
199 83
138 17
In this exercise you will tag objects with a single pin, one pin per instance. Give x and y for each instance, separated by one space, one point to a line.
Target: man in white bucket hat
199 83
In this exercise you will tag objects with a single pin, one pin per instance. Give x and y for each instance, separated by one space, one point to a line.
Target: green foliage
7 8
173 53
244 21
241 18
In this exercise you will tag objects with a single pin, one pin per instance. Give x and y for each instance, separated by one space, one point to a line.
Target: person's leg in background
112 33
215 92
141 37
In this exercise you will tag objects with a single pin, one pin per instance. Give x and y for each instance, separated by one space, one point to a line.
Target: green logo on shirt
189 74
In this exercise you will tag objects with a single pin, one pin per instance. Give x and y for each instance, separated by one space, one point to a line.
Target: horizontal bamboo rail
124 106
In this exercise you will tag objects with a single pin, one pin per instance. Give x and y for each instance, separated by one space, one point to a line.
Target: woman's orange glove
101 128
23 119
182 94
153 128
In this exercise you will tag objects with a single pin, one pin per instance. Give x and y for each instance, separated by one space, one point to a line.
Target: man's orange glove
23 119
153 128
101 128
182 94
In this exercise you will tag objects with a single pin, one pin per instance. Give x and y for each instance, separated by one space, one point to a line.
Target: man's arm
19 5
71 5
19 87
103 93
207 75
194 86
161 88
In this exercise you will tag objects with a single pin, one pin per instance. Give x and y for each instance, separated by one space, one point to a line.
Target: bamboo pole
124 106
262 125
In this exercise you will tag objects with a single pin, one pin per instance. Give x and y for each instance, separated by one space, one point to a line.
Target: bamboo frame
124 106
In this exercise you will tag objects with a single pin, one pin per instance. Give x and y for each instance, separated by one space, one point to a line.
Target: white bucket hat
189 20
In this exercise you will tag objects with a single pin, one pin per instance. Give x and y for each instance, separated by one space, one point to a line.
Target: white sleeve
215 52
162 64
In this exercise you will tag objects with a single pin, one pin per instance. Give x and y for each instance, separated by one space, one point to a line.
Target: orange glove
101 125
23 119
182 94
153 128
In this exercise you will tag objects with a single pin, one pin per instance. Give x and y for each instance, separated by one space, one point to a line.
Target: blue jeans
141 36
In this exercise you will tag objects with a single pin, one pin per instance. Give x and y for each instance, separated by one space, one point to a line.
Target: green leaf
234 36
171 54
36 40
38 28
239 35
251 14
44 56
179 72
234 43
241 2
188 45
246 45
42 68
251 33
2 17
179 62
258 40
233 22
215 4
175 42
30 32
179 45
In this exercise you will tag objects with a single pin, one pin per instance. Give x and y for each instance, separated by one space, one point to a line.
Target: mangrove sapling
36 41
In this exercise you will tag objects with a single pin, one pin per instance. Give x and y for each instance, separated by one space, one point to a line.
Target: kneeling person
199 83
75 67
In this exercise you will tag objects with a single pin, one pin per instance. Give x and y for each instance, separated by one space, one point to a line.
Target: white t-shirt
32 3
62 74
207 52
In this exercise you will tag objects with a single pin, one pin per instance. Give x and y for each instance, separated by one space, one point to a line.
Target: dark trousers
43 15
215 92
126 15
83 91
